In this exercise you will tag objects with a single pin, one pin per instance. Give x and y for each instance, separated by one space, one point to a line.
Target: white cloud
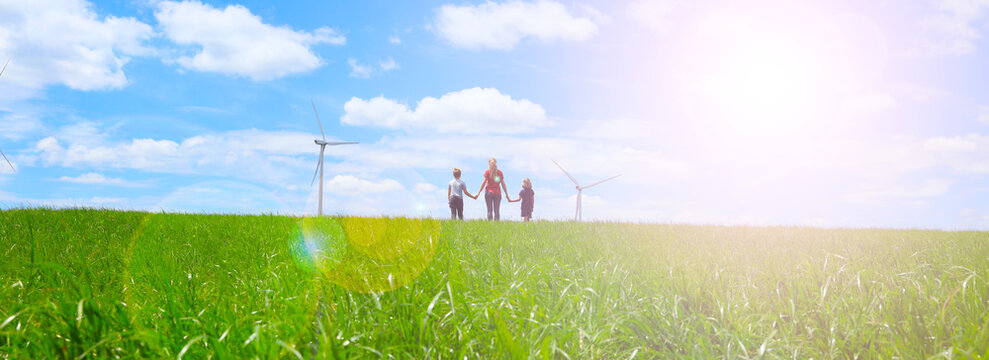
234 41
349 185
655 15
504 25
7 199
928 189
358 70
976 217
106 200
383 197
902 157
956 26
271 157
394 39
139 153
388 65
93 178
365 71
965 154
955 144
15 126
82 132
984 114
226 196
425 189
469 111
65 42
596 16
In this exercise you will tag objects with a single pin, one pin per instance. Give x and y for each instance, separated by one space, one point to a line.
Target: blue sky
823 113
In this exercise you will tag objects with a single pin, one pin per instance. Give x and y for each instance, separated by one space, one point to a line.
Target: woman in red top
494 182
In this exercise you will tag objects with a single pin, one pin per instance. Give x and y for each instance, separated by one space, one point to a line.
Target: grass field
96 284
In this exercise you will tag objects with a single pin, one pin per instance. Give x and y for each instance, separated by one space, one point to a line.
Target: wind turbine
322 147
1 151
580 189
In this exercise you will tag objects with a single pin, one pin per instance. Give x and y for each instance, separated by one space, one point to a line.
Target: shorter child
527 196
455 195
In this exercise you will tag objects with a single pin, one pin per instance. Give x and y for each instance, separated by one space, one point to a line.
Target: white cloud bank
968 154
503 25
928 189
349 185
269 157
7 199
65 42
236 42
365 71
382 177
984 115
956 27
15 126
92 178
469 111
655 15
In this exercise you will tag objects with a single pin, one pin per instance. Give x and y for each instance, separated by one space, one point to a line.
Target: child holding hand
527 196
455 195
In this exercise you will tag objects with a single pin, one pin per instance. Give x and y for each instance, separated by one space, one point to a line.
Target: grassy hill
97 283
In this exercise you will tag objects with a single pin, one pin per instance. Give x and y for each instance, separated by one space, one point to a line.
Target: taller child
455 195
494 182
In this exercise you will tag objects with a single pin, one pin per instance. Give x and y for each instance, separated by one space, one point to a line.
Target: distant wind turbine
1 151
580 189
322 147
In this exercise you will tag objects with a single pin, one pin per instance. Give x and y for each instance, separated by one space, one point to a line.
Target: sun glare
759 83
753 74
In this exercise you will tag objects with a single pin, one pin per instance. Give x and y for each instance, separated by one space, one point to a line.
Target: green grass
98 283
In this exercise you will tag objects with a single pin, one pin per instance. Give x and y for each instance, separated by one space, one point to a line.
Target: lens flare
320 243
367 254
386 239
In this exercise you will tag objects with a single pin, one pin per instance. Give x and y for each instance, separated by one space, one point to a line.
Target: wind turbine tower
322 147
580 189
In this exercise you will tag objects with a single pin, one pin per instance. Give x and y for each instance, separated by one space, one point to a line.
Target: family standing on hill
492 185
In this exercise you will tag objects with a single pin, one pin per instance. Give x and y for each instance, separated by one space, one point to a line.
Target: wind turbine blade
601 181
317 119
318 165
341 142
4 67
315 173
565 172
8 161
